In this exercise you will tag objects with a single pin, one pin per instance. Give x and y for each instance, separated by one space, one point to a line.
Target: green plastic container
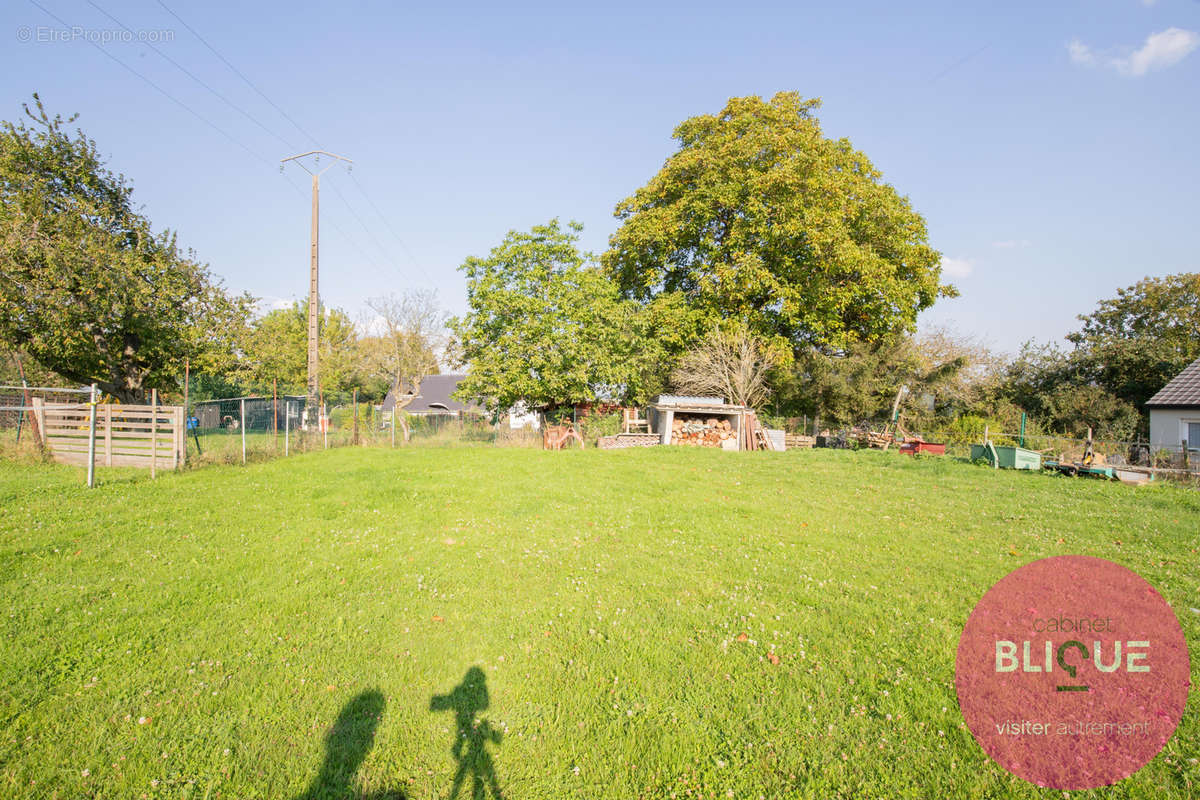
1007 457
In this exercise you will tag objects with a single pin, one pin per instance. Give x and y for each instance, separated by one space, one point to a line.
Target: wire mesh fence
245 429
18 419
1173 461
253 428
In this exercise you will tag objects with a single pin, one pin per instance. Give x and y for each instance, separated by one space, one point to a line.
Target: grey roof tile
1183 390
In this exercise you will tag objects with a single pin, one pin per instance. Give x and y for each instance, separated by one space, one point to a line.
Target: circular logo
1072 672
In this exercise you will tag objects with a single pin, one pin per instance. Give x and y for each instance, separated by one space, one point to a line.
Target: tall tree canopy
1136 342
86 287
759 217
546 327
276 349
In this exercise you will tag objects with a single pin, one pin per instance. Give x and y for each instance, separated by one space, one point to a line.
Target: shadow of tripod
471 739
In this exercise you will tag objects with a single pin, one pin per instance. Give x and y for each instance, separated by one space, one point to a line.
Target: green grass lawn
349 623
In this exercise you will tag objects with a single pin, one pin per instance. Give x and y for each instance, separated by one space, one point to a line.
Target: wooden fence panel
126 436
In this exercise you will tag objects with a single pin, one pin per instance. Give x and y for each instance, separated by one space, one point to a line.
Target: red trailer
914 446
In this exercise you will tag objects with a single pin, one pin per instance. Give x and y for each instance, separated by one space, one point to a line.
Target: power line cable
369 232
345 235
349 239
191 75
387 224
300 128
155 86
201 117
289 118
238 72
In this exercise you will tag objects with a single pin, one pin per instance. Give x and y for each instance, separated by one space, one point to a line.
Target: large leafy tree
87 288
1136 342
863 382
1125 351
759 217
276 350
547 328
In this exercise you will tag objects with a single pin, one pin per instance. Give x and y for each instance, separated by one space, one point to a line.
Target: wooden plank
40 418
119 413
116 430
118 410
132 447
164 448
80 459
163 435
114 406
142 424
164 441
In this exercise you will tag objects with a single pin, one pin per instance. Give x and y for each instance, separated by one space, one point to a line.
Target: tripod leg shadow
472 736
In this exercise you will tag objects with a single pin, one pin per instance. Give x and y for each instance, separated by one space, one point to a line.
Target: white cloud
957 267
268 304
1159 51
373 325
1012 243
1081 53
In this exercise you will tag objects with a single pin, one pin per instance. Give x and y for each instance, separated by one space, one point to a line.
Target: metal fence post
325 424
242 425
153 433
287 425
91 475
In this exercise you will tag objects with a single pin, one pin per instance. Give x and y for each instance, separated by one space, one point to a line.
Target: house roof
434 397
1183 390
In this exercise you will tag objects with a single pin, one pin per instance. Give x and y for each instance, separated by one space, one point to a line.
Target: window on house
1193 437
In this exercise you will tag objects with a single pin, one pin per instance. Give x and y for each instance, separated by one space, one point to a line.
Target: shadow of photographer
347 743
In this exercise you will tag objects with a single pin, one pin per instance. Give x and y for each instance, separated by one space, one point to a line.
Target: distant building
435 399
519 416
1175 411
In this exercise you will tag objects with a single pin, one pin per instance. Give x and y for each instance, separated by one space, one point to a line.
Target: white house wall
1168 426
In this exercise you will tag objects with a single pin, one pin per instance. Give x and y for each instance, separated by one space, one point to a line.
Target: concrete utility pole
314 297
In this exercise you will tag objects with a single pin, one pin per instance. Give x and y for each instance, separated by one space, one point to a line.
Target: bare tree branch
732 364
405 343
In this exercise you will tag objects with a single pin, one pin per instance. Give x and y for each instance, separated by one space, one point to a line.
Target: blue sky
1051 147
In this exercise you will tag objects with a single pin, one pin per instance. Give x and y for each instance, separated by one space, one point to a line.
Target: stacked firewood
700 432
866 437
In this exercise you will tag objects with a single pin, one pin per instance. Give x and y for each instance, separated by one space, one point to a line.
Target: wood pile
880 440
798 440
698 431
